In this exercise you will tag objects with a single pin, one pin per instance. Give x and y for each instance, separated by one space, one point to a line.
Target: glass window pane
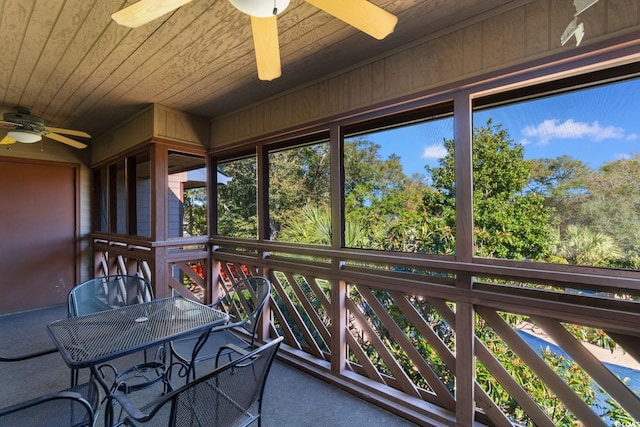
556 178
187 196
121 198
238 198
143 195
399 188
101 177
300 194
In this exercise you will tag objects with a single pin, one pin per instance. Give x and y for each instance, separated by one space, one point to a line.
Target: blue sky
595 125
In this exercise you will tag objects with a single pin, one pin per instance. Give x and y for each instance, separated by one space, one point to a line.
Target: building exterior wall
175 200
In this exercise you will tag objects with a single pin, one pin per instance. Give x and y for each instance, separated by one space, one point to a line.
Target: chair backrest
229 395
245 300
108 292
65 408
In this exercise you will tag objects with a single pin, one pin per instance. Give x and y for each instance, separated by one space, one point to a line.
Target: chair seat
141 376
214 348
184 347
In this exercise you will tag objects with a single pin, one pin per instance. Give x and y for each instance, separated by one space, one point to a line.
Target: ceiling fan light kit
361 14
260 8
25 136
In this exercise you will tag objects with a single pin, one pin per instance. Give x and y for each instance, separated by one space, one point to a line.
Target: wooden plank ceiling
72 65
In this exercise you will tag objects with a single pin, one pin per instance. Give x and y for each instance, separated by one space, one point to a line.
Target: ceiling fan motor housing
27 121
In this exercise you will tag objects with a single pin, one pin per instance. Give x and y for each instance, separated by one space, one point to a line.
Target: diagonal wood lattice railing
387 327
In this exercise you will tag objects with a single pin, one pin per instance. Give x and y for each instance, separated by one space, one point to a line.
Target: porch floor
292 398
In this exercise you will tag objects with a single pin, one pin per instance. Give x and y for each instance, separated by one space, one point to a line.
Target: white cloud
553 129
435 151
632 137
524 142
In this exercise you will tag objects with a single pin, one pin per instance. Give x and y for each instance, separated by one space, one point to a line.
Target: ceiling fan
23 127
361 14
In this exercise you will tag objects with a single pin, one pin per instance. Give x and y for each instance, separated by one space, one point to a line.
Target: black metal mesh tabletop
98 337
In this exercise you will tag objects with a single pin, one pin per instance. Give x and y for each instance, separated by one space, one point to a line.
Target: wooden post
465 315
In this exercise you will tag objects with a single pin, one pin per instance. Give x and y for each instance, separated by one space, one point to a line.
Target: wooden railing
168 265
441 342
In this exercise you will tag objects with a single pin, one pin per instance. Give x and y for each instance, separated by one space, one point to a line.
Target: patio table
89 340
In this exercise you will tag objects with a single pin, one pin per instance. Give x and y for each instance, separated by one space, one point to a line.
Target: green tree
368 178
298 177
583 246
313 225
590 209
237 199
380 198
613 203
300 188
563 183
195 211
508 222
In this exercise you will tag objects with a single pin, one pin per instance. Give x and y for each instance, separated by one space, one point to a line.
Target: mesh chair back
229 395
244 301
73 407
108 292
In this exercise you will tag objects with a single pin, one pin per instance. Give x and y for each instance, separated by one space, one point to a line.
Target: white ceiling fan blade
7 140
65 140
265 42
146 11
365 16
68 132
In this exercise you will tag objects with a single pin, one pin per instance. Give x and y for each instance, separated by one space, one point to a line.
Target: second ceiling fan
360 14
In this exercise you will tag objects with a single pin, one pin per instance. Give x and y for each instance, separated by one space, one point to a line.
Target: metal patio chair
229 395
106 293
244 302
114 291
75 406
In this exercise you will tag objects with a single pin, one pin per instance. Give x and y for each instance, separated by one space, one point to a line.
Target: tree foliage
237 199
298 178
195 211
583 246
562 181
378 196
522 209
613 204
508 222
